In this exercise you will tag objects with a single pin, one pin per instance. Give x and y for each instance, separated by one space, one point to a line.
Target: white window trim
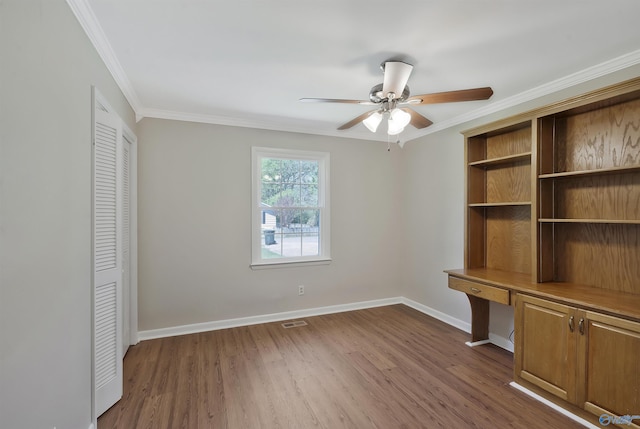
257 153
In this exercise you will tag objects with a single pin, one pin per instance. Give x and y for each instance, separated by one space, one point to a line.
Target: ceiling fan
392 93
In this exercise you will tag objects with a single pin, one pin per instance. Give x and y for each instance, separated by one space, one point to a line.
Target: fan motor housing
376 95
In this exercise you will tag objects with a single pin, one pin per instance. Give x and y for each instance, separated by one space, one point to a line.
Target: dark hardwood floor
387 367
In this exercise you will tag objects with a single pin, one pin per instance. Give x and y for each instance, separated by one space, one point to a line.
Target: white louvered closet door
107 244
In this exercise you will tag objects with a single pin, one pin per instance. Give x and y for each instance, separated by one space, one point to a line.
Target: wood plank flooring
387 367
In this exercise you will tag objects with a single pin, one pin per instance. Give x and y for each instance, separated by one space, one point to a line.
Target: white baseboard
457 323
501 342
267 318
552 405
318 311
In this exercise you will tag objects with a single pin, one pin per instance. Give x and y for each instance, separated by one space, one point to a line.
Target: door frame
132 296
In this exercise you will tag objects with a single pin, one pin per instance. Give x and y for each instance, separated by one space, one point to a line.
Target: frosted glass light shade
397 121
373 121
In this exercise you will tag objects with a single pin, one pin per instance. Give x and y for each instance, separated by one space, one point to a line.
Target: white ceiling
247 62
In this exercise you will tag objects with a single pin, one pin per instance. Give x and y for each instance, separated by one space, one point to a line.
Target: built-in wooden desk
483 285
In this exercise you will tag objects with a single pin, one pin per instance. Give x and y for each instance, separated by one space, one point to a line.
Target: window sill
289 264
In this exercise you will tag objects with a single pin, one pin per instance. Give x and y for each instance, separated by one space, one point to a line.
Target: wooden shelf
501 160
597 172
509 203
618 221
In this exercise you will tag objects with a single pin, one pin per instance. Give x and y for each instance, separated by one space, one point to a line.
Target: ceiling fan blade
396 75
337 100
451 96
417 120
356 120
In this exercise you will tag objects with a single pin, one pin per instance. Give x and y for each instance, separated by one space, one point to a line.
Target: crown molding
92 28
599 70
263 123
85 15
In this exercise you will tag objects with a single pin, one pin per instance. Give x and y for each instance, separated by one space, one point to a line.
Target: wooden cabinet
583 357
552 215
610 369
545 346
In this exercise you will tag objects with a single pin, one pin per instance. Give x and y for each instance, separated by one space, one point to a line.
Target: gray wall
47 68
433 182
194 183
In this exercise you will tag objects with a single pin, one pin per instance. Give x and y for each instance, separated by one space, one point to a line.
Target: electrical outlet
301 290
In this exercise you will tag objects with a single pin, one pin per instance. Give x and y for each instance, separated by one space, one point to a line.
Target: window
290 206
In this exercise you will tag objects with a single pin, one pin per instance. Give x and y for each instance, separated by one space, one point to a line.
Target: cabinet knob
475 290
571 323
581 326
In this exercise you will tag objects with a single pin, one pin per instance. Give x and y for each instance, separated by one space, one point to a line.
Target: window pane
288 219
309 171
290 171
286 198
270 193
310 244
271 246
291 245
268 219
310 220
309 196
291 195
271 170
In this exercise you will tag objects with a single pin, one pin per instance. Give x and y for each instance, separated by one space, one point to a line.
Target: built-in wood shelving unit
556 194
552 226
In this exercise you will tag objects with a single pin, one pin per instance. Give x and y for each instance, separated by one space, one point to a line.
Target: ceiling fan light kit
373 121
393 92
398 119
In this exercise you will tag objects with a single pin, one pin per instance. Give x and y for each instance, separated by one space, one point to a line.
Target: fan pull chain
388 144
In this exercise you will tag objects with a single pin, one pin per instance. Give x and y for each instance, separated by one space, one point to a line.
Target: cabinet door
545 353
610 369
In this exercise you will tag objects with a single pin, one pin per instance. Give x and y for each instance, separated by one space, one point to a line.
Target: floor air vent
294 324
